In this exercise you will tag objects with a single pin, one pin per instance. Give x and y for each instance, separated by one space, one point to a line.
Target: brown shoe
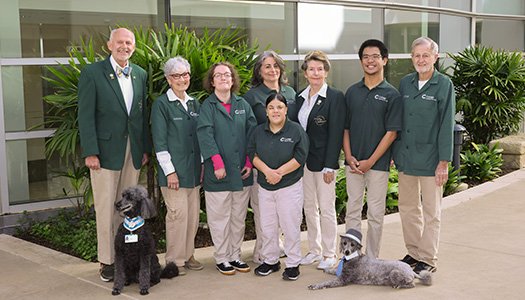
193 264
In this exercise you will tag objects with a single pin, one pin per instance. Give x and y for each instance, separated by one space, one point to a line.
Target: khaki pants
282 208
107 189
420 211
254 203
182 222
319 210
226 213
376 183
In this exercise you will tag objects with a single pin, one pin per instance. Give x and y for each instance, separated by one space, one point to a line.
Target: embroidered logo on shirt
239 111
177 119
286 140
194 114
428 97
381 98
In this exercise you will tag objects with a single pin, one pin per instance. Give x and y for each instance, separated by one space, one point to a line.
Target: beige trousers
282 209
107 189
254 203
226 213
182 222
420 211
376 184
319 210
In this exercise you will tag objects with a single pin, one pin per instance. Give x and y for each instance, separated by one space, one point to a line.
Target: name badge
131 238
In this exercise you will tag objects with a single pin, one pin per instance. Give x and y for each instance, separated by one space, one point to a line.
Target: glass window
434 3
489 34
396 69
269 23
403 27
342 29
48 27
31 176
458 41
343 73
505 7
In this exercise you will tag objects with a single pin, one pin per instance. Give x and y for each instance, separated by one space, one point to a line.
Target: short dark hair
207 84
276 96
256 76
373 43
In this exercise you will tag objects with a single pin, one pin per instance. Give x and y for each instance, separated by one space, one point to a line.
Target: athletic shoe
182 271
266 269
193 264
240 266
106 272
327 263
291 273
420 266
310 258
225 268
409 260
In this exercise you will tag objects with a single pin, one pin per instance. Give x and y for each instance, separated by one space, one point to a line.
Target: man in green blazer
114 134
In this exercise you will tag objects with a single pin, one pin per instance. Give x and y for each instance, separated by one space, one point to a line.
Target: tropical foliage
481 163
490 89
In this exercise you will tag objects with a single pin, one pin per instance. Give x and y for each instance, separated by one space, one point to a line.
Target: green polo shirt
370 114
276 149
220 132
257 96
174 130
428 125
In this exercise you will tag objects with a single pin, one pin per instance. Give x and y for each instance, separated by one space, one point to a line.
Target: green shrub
490 91
453 182
482 163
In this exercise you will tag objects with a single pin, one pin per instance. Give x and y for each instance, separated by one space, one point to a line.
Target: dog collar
342 261
133 224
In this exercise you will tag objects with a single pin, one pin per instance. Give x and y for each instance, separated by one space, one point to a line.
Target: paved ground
482 256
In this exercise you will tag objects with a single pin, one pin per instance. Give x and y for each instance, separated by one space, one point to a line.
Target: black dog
135 253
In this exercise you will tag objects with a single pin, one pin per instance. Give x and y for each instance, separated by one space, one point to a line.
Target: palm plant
490 89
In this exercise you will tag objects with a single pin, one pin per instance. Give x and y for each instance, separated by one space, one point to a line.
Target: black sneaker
267 269
409 260
291 273
420 266
106 272
225 268
240 266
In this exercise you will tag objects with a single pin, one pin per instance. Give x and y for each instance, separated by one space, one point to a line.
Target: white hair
427 41
174 63
112 33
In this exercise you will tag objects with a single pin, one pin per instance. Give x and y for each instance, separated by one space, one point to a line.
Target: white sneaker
310 258
327 263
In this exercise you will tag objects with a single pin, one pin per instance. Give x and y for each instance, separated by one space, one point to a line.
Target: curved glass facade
38 33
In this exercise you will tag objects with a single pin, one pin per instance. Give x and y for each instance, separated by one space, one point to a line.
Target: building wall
37 33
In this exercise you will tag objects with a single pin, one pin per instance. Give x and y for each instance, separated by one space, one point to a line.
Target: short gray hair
175 62
112 33
427 41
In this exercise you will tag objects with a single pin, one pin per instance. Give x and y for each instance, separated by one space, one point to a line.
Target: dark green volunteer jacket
428 125
175 130
257 96
103 119
220 132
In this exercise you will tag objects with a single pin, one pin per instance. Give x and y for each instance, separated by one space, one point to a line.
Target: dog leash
343 259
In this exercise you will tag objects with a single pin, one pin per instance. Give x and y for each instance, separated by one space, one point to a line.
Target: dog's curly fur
137 262
365 270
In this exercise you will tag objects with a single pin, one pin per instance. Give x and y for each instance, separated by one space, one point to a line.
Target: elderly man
422 154
114 134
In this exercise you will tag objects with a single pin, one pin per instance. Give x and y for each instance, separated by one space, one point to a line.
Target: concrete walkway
482 256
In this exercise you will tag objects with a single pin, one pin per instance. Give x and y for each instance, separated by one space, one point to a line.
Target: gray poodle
135 252
358 268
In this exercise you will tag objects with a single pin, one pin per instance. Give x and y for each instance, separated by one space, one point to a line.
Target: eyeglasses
372 56
180 75
220 75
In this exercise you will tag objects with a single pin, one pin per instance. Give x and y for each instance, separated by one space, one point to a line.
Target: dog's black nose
347 252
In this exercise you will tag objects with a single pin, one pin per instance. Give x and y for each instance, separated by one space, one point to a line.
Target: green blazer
220 132
103 120
175 130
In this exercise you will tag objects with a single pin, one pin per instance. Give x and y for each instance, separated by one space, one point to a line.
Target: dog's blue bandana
133 224
342 261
